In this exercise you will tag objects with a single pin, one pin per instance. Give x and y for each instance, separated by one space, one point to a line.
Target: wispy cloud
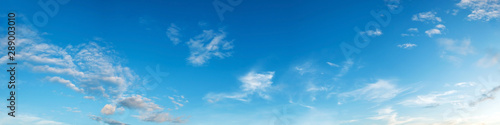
253 82
65 82
379 91
392 117
346 66
207 45
106 120
173 33
489 60
430 100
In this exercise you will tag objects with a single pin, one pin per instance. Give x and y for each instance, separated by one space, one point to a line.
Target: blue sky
227 62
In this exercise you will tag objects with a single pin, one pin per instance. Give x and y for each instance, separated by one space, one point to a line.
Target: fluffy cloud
97 70
108 109
439 28
426 16
252 83
65 82
481 9
379 91
140 103
407 45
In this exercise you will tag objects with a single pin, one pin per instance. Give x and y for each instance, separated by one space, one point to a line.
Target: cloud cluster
87 68
481 9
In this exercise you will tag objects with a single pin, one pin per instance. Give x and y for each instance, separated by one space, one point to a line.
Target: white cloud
430 100
465 84
481 9
392 117
97 70
438 30
252 83
173 34
407 45
65 82
454 46
413 29
426 16
207 45
376 32
379 91
108 109
332 64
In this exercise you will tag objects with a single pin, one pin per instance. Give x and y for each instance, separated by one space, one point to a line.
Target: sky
259 62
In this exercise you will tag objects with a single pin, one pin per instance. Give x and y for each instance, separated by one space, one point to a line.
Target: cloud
407 45
345 68
489 60
426 16
465 84
332 64
481 9
454 46
96 69
392 117
439 28
486 96
413 29
106 120
65 82
430 100
252 83
207 45
69 109
160 118
108 109
376 32
28 120
173 34
379 91
140 103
